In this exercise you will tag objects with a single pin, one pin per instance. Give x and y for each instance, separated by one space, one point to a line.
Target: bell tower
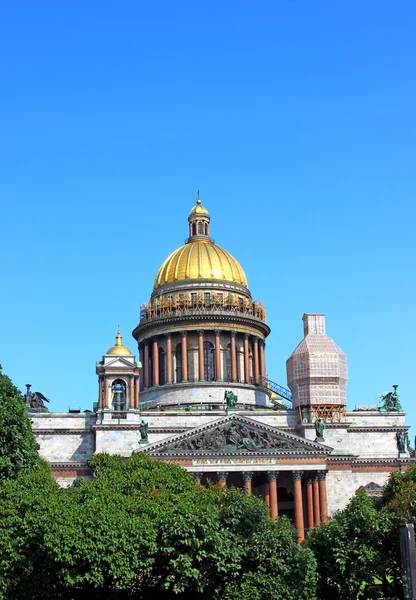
317 373
118 380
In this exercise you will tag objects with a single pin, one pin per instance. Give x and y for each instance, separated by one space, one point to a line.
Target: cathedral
198 395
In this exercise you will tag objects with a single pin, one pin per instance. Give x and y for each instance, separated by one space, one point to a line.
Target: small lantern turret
199 222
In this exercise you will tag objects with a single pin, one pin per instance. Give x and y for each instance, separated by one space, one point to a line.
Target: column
246 360
233 358
322 496
262 360
297 493
100 392
217 355
309 503
146 364
201 366
155 363
105 392
222 478
247 478
266 492
255 360
132 393
184 356
169 376
316 505
274 506
136 401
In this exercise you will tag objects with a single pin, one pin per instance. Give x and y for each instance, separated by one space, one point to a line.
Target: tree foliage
143 529
18 447
349 549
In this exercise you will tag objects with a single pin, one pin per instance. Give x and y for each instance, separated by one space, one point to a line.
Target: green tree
143 529
18 447
349 549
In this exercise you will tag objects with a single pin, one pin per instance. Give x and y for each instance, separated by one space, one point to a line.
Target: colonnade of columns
104 391
151 370
309 495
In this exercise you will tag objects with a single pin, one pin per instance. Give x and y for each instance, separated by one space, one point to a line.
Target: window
206 228
178 355
207 300
227 363
209 362
193 228
118 389
162 367
200 228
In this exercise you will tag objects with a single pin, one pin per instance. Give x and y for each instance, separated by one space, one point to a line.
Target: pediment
119 362
236 435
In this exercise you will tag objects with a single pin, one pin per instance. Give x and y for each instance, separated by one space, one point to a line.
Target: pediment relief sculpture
233 437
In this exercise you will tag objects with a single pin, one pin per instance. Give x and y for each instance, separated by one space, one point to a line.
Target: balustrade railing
200 303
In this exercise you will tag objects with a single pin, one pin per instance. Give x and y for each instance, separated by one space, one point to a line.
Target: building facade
199 396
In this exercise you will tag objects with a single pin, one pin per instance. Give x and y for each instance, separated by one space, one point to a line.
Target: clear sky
295 119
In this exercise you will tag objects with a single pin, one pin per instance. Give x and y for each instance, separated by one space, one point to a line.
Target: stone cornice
69 465
217 319
377 428
87 430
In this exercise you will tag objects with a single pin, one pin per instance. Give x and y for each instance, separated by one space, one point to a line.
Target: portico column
233 358
247 477
184 356
106 394
201 366
146 364
266 492
217 355
246 360
100 392
297 493
262 360
255 360
155 363
169 358
322 496
132 393
136 400
316 504
222 478
274 509
309 502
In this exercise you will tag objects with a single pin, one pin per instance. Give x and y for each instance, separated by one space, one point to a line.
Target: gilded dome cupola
200 259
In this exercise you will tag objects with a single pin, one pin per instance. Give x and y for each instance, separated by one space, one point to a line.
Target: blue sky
295 119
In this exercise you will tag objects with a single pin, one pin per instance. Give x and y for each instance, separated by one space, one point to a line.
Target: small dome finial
198 200
118 348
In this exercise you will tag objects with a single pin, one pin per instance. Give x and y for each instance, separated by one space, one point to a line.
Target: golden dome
200 259
198 209
119 349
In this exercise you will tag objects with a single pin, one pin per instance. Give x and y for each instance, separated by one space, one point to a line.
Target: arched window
193 228
199 228
118 389
206 228
162 367
227 363
209 362
178 355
